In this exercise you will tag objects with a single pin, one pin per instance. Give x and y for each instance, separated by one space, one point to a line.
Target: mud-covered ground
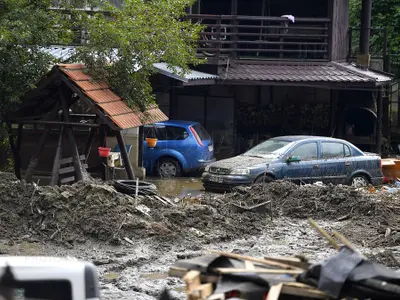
134 241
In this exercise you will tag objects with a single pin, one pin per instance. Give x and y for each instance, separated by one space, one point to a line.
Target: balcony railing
263 37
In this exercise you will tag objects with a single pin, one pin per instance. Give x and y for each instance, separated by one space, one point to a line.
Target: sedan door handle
315 166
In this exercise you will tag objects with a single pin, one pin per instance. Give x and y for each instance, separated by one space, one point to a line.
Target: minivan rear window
201 132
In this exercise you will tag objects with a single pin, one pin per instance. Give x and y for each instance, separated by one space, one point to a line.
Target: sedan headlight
240 172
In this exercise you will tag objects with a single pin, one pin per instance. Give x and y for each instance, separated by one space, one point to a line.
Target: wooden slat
69 160
67 180
71 169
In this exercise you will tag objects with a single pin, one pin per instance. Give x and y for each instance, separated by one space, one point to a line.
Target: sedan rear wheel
359 181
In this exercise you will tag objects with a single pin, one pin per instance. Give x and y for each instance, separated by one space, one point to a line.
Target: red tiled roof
113 106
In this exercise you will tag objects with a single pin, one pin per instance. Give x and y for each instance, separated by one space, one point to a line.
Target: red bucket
104 152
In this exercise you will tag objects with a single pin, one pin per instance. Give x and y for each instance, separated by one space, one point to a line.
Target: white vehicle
50 278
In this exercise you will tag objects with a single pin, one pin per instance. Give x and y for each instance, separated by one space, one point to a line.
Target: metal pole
365 26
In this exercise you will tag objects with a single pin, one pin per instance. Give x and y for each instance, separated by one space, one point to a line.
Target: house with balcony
277 67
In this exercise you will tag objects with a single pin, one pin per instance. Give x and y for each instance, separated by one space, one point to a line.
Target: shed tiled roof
302 73
113 106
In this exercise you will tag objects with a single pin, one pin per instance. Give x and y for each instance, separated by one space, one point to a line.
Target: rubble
96 211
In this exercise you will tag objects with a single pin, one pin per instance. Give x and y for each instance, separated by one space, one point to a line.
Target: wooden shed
51 108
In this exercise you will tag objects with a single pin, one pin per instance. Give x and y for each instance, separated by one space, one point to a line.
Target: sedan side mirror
292 159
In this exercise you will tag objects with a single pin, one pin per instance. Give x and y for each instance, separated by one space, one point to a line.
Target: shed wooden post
16 150
35 156
56 164
379 122
102 143
125 156
79 174
89 142
140 145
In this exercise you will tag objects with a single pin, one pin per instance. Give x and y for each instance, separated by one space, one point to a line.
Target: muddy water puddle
178 187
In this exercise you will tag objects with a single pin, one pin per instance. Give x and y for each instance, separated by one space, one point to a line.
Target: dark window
201 132
172 133
306 151
334 150
149 132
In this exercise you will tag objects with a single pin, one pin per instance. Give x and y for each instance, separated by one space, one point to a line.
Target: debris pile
333 202
348 274
94 210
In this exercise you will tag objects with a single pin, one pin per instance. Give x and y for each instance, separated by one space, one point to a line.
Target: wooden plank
192 280
256 260
67 180
69 160
71 169
203 291
274 292
293 261
302 290
258 271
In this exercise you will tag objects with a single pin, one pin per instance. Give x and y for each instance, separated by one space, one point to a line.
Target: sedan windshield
272 146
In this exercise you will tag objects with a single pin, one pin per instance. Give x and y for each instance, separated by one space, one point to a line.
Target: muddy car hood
242 161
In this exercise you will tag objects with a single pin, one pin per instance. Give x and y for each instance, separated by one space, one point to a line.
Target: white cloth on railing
290 17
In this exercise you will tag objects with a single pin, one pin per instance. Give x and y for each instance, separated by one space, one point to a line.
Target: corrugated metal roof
305 73
64 53
166 70
112 105
60 53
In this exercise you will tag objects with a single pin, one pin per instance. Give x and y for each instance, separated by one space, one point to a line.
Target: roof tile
101 96
113 106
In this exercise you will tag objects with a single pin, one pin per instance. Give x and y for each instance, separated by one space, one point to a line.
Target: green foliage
25 26
139 33
385 14
125 44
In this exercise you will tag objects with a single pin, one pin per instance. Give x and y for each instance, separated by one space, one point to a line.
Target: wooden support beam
89 142
103 143
379 113
80 173
77 124
57 158
140 145
35 156
94 107
125 156
14 150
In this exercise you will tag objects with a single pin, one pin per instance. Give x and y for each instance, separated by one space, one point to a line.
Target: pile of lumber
201 285
222 275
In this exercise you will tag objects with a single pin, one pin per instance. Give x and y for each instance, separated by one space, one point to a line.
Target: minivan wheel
359 181
264 179
169 167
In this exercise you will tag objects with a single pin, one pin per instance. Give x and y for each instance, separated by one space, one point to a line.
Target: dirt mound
82 211
325 202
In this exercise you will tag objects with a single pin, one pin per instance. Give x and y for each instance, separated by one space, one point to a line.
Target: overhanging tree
385 14
123 44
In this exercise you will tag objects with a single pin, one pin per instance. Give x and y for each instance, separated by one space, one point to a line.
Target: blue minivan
181 147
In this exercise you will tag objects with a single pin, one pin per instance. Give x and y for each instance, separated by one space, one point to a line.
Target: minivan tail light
196 136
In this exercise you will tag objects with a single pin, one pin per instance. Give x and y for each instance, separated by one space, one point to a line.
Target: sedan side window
334 150
307 151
